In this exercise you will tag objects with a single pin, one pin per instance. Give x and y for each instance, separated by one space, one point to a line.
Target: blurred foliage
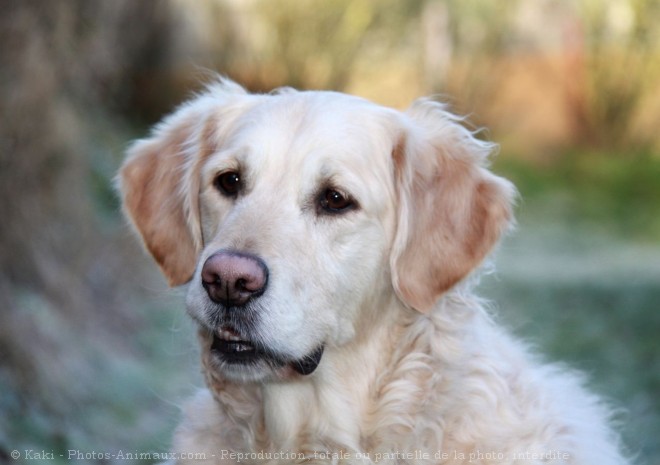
594 65
315 44
71 363
94 351
621 51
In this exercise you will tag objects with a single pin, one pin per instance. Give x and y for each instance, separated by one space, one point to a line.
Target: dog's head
296 216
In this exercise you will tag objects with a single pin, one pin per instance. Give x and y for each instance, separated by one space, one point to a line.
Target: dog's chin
241 360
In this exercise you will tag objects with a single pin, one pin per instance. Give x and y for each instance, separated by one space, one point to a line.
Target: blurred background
96 354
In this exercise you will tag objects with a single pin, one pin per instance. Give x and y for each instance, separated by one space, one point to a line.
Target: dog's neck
337 398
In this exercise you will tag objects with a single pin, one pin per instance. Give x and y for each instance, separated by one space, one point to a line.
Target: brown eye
333 201
228 183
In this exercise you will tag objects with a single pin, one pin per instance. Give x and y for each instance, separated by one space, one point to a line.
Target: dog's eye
333 201
228 183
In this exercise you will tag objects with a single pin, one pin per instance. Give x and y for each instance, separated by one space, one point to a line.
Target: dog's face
296 216
303 217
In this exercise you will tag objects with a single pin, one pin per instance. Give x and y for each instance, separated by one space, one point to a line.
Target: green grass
105 395
617 191
604 323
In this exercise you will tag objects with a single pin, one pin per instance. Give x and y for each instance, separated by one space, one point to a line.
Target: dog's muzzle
232 280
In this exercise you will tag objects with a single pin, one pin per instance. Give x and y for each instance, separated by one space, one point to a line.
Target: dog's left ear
451 209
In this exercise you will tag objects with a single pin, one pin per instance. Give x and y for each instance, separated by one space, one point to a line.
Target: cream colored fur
414 370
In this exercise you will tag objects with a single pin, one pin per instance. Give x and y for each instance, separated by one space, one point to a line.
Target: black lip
308 364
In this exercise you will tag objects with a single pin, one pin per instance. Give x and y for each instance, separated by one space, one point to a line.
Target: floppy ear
159 189
451 209
160 180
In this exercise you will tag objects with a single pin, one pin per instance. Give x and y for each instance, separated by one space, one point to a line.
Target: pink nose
233 278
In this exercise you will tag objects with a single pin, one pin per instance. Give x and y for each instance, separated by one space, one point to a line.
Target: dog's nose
233 278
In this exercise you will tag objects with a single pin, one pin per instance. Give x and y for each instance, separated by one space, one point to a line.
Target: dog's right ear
159 181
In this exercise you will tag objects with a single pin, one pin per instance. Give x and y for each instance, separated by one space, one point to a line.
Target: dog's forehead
310 127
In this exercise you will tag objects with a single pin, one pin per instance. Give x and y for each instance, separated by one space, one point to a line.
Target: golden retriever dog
329 246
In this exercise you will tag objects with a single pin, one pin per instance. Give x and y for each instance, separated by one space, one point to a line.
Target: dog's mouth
232 346
236 349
